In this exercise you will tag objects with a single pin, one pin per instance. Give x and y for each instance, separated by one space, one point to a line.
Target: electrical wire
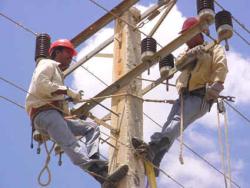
240 36
22 89
123 20
242 115
11 101
18 24
92 73
117 17
153 81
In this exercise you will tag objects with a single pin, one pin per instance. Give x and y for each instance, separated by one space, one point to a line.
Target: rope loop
46 165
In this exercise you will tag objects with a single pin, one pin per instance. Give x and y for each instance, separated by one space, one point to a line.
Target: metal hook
228 98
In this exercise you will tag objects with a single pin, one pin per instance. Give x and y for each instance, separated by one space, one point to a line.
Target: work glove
76 96
213 91
196 51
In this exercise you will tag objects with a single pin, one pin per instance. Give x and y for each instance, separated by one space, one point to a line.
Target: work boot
98 162
95 156
100 172
163 143
143 148
115 177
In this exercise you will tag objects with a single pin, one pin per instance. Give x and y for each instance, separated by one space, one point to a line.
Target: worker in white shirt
47 108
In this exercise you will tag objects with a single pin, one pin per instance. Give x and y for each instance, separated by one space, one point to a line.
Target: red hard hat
64 43
189 22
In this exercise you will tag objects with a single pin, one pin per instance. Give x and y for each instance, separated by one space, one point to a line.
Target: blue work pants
64 132
194 107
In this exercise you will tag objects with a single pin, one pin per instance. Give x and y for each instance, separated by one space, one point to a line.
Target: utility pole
127 54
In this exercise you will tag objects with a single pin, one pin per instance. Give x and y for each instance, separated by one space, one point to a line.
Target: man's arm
219 65
75 95
219 72
48 88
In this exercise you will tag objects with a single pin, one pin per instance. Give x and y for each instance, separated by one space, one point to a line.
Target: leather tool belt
55 105
197 92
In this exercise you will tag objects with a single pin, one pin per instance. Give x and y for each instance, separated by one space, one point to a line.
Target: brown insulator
42 46
148 48
166 64
224 25
205 10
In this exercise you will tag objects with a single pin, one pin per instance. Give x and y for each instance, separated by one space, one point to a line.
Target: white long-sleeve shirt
46 79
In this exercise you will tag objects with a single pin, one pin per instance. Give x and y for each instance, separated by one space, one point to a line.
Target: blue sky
20 165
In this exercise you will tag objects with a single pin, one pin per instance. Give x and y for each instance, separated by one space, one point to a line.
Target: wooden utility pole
127 53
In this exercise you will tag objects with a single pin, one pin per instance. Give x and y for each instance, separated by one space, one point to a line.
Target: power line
242 115
11 101
121 19
18 24
13 84
153 81
92 74
116 16
242 38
